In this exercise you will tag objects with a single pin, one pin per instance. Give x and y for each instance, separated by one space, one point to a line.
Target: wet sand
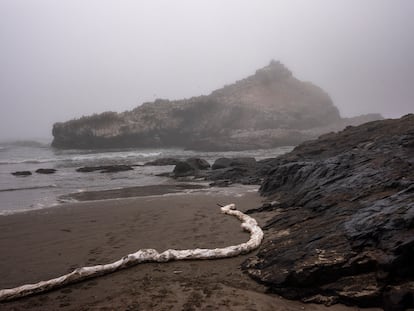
140 191
46 243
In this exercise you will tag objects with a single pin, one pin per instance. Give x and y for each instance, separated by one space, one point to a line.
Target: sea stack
268 109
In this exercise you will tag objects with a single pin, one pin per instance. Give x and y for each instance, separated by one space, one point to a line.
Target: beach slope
44 244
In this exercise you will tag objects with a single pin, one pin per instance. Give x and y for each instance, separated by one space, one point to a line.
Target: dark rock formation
236 174
190 167
22 173
198 164
184 169
221 163
268 109
226 171
221 183
229 162
343 218
162 162
105 168
46 171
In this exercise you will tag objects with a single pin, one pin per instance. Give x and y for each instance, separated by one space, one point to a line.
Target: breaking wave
84 157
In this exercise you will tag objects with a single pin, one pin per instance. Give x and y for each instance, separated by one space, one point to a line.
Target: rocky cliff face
343 218
268 109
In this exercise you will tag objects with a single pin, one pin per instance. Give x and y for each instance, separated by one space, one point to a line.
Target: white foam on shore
29 188
38 207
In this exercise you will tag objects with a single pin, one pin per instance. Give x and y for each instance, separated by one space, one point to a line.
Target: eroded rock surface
343 218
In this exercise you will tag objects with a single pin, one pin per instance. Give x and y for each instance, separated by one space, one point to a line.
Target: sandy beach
43 244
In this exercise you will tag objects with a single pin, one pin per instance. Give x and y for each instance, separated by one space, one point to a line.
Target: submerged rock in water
105 168
22 173
343 227
46 171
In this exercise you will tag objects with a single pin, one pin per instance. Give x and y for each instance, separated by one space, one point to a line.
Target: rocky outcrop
105 168
190 167
183 169
46 171
22 173
268 109
343 218
232 162
39 171
198 164
224 171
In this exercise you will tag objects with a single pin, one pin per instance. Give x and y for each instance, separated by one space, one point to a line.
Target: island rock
268 109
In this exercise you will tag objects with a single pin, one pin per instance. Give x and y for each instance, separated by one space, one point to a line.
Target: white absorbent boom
146 255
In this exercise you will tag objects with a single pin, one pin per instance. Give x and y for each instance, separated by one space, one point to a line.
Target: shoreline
169 189
46 243
131 192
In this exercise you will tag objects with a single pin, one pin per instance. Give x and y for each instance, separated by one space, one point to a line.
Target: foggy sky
68 58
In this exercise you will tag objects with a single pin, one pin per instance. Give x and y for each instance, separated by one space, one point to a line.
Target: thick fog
64 59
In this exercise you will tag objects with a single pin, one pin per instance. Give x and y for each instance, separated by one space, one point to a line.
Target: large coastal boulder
198 164
343 218
190 167
183 169
268 109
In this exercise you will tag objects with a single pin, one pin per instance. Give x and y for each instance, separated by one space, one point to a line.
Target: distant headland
268 109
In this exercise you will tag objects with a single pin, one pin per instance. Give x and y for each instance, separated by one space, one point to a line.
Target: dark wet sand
129 192
44 244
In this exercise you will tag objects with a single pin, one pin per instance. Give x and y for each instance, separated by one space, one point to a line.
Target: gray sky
68 58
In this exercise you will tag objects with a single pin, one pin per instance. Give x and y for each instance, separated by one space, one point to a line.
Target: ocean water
37 191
